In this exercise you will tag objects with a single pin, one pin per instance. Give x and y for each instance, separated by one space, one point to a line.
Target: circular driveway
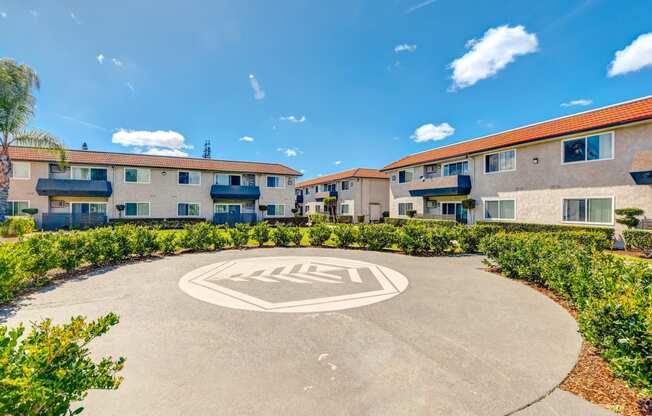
453 340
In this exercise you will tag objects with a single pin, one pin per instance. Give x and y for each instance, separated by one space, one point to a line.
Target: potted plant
120 208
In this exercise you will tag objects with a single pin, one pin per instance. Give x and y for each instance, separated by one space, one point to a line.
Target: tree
17 106
628 216
330 202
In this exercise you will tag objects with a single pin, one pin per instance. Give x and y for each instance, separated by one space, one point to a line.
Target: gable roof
128 159
611 116
352 173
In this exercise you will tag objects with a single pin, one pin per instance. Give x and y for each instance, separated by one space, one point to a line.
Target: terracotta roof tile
352 173
623 113
126 159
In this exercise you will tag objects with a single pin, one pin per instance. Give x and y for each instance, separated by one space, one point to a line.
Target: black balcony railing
231 219
77 221
73 187
235 192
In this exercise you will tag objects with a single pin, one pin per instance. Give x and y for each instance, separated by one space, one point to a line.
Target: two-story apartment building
571 170
119 185
359 192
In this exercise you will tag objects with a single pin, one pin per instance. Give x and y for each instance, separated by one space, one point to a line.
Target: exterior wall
25 189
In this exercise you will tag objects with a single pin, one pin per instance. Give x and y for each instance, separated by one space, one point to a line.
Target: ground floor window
188 209
344 209
88 207
274 210
499 209
588 210
405 207
16 207
307 209
136 209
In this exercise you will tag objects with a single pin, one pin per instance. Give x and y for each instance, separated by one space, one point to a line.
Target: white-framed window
57 203
222 208
275 210
88 207
137 209
456 168
274 182
405 207
188 209
290 181
189 177
138 175
344 209
20 170
316 188
228 179
504 161
589 210
88 173
405 176
346 185
15 208
499 209
587 149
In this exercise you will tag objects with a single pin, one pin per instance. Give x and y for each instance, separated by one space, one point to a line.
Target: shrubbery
399 222
639 240
17 226
281 236
516 227
240 235
377 237
260 233
319 234
345 235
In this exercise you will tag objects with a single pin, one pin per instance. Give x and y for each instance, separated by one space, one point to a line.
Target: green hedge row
639 240
399 222
516 227
613 297
17 226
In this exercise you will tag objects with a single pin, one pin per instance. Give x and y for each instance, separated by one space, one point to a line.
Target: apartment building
117 185
359 192
571 170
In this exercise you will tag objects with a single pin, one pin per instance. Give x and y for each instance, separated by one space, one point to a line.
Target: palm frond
17 103
42 139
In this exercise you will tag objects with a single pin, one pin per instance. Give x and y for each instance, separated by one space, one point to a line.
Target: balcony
73 187
641 169
442 186
299 199
232 218
235 192
319 196
76 221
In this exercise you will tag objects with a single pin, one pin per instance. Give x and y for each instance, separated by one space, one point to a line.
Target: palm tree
17 105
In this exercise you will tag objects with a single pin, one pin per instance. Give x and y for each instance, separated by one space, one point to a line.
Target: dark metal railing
232 219
75 221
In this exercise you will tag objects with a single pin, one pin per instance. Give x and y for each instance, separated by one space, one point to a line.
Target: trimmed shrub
260 233
167 242
317 218
319 234
517 227
440 239
639 240
38 254
414 238
346 235
296 221
46 370
376 236
627 216
17 226
143 241
296 235
399 222
202 236
70 248
239 235
160 223
281 236
12 278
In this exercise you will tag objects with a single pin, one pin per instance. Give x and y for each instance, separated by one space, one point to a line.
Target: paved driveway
322 332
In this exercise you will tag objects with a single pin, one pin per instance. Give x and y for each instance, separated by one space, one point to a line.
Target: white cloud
33 13
116 62
3 15
578 102
293 119
74 17
100 58
634 57
259 94
430 132
154 139
246 139
498 47
165 152
302 171
420 5
289 151
337 162
405 48
130 86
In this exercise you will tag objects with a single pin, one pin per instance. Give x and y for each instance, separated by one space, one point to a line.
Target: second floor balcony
323 194
441 186
73 187
235 192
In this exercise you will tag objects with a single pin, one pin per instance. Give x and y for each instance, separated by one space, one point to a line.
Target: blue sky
320 86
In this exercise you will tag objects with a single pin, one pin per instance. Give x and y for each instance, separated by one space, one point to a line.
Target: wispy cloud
498 47
75 19
337 162
419 6
165 152
82 122
3 15
116 62
636 56
259 94
34 13
293 119
164 143
130 86
575 103
431 132
100 58
405 48
289 151
246 139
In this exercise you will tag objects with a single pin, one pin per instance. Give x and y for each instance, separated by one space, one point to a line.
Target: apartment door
374 212
455 208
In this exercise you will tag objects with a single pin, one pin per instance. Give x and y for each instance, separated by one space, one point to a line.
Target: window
275 210
404 208
136 209
189 177
344 209
405 176
588 210
232 180
136 175
307 191
499 209
346 185
307 208
187 209
583 149
317 208
20 170
16 207
456 168
56 168
431 171
88 174
316 188
57 203
290 181
500 162
88 208
274 182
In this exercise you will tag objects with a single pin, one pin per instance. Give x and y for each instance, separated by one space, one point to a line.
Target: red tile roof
618 114
126 159
353 173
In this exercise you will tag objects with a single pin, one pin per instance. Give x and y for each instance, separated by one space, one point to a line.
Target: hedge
613 297
17 226
399 222
163 223
533 227
639 240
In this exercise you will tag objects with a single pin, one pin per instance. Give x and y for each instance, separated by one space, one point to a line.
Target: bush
17 226
376 236
48 369
70 249
38 254
239 235
202 236
143 241
167 242
639 240
440 239
160 223
296 221
281 236
346 235
12 278
628 216
103 245
476 233
319 234
296 235
317 219
517 227
414 238
260 233
399 222
345 219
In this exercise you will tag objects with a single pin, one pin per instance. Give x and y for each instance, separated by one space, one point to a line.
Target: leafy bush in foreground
414 238
296 235
281 236
346 235
639 240
319 234
17 226
260 233
239 235
376 236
